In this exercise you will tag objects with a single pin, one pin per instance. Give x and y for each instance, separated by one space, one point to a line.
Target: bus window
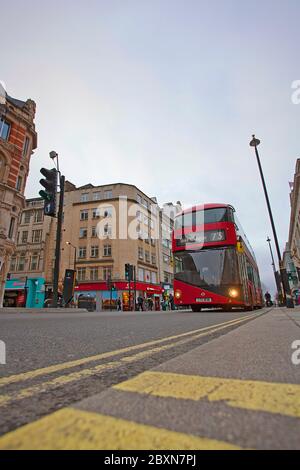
250 273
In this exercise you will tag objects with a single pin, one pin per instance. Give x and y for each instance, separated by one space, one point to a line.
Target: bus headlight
178 294
234 293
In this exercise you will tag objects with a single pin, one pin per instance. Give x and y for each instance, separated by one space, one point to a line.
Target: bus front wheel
196 308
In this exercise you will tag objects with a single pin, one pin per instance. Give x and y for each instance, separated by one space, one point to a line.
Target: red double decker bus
213 261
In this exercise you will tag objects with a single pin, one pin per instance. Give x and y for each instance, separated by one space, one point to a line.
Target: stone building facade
104 227
18 139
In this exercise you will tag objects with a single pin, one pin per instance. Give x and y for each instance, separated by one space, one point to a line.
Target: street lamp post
287 301
75 253
54 156
274 268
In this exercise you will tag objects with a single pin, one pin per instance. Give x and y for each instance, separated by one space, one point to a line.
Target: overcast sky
164 94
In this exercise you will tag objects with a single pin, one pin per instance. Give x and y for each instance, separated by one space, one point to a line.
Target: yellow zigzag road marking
71 429
78 362
247 394
72 377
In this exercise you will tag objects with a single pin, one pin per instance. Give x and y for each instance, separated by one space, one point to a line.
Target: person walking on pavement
150 303
140 303
119 304
268 299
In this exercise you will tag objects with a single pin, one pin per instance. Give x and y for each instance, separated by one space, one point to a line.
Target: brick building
18 139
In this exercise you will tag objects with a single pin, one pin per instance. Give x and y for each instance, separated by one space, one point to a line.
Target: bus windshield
208 268
207 216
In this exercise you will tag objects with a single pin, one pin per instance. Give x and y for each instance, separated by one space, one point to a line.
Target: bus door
244 277
251 283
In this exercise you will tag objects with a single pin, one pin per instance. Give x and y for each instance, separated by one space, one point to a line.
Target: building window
107 273
4 129
24 237
19 183
82 252
141 274
11 228
166 277
83 233
26 217
36 236
13 263
147 256
34 262
84 215
153 259
152 242
94 232
96 214
21 263
81 272
94 274
95 252
25 147
108 194
166 243
153 277
107 230
139 199
108 212
139 216
141 253
147 276
107 250
38 216
84 197
96 196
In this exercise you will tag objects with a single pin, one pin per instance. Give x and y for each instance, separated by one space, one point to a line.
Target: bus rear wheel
227 309
196 308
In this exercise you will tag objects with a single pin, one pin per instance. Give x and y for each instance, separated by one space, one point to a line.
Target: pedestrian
119 304
150 303
268 299
140 303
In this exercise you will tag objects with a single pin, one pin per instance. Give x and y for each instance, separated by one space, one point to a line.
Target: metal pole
75 258
273 262
274 268
58 241
254 143
129 293
134 278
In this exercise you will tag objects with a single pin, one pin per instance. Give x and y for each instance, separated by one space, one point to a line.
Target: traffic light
49 193
128 272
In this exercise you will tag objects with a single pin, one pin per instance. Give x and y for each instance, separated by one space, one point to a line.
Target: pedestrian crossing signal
49 182
128 272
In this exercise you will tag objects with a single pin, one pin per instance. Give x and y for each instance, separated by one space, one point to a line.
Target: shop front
28 292
106 299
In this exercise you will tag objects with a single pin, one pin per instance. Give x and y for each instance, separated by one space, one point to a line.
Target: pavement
238 391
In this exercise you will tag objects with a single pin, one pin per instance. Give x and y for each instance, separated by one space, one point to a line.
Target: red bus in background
214 264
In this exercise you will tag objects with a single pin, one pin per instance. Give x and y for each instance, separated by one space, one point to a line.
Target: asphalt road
57 359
